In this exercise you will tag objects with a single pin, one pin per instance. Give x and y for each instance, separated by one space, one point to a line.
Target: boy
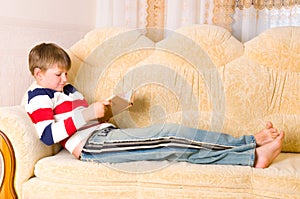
61 114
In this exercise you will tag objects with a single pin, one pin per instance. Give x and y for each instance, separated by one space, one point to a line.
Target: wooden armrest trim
7 189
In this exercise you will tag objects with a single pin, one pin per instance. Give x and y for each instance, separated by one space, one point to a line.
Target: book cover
120 102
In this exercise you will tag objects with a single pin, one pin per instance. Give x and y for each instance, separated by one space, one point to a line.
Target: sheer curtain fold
251 17
185 12
124 13
244 18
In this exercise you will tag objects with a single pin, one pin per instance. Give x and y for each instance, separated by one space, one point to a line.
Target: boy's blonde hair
45 55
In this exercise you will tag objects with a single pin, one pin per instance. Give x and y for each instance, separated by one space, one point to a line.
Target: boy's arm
41 111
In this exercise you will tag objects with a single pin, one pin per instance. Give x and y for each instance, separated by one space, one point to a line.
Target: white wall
23 24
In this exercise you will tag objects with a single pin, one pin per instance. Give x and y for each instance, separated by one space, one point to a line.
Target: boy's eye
59 74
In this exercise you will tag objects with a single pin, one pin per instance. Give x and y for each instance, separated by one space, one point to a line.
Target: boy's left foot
266 135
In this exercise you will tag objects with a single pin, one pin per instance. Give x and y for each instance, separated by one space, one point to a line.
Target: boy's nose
64 78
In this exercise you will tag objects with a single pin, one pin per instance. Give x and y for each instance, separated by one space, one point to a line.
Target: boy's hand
103 110
100 110
107 114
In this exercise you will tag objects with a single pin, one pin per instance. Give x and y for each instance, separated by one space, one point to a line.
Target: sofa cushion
276 48
64 168
281 179
216 41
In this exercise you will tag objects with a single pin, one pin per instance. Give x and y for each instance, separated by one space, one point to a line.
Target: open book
120 102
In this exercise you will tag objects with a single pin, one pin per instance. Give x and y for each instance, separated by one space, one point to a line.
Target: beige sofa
198 76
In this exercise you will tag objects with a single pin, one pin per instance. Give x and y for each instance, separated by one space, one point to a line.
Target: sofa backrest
200 76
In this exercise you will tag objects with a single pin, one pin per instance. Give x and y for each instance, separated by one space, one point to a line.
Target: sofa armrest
26 148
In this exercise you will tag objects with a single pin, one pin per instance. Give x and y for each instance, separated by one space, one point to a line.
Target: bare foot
265 154
266 135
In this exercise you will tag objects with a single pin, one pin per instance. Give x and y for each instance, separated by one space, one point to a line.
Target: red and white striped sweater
57 116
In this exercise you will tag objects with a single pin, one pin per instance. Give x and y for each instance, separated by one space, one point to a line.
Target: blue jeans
171 142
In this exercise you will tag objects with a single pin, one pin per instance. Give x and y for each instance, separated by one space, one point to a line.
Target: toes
281 135
269 125
274 133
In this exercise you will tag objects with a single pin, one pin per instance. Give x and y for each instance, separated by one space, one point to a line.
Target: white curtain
121 13
249 22
244 18
180 13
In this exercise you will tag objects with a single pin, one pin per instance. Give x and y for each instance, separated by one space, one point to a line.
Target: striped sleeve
54 114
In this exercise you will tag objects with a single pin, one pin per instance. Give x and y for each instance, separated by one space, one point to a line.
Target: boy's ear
37 72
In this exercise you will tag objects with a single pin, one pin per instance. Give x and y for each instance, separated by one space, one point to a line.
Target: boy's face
54 78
